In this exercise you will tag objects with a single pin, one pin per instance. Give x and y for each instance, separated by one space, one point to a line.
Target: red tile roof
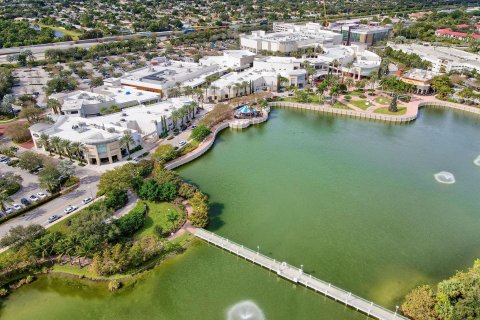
450 32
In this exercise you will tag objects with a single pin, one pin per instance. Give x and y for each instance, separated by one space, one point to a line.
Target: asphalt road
87 188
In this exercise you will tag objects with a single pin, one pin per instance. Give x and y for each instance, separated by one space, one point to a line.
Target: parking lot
29 184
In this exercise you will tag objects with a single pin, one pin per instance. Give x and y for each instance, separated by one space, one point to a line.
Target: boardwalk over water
297 275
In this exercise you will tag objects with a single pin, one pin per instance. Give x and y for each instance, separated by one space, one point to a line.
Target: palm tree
175 117
127 140
84 249
214 88
236 87
63 146
67 147
244 87
229 87
188 91
76 149
55 142
349 82
5 200
54 105
44 141
172 217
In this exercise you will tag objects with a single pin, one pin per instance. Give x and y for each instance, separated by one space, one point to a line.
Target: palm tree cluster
63 147
185 112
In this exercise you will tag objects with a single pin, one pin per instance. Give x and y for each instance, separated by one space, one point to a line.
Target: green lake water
354 202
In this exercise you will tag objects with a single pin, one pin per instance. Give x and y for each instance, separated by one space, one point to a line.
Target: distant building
443 59
353 32
88 104
420 78
232 59
163 75
449 33
289 38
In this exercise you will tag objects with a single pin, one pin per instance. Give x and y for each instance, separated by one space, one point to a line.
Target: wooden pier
297 275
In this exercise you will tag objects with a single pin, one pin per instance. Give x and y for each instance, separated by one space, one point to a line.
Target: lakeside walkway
296 275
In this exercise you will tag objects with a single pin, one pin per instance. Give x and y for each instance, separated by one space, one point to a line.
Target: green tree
49 178
30 160
127 140
5 200
420 304
54 105
20 235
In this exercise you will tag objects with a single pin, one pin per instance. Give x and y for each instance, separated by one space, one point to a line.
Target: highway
39 49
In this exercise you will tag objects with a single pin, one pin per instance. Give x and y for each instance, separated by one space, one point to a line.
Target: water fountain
477 161
245 310
444 177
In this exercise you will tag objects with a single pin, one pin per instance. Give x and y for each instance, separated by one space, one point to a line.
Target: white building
266 71
101 141
443 59
87 104
165 74
231 59
291 38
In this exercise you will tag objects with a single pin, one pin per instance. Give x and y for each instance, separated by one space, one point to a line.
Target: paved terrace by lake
296 275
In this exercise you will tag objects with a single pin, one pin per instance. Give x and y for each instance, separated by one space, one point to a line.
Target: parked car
53 218
17 206
194 126
69 209
87 200
8 211
182 143
25 201
41 195
4 159
33 198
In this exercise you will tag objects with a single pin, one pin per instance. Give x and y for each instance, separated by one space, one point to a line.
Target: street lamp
258 249
396 310
301 268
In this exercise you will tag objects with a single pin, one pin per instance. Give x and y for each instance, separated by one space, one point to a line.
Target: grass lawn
362 104
340 105
355 93
384 110
157 214
75 35
383 100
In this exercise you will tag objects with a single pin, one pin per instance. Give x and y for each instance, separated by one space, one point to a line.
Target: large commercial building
88 104
267 72
289 38
101 135
443 59
101 141
357 33
420 78
168 74
230 59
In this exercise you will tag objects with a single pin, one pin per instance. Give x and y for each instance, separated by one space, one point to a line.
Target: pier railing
297 275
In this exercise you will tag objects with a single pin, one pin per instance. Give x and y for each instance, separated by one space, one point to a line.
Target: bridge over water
297 275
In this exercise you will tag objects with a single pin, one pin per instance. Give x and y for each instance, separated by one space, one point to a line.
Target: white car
182 143
87 200
69 209
41 195
33 198
17 206
8 211
53 218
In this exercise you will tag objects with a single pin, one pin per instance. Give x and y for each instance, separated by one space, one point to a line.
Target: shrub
116 199
18 132
187 190
347 98
71 181
3 292
29 279
132 221
199 215
114 285
362 96
158 231
165 153
200 133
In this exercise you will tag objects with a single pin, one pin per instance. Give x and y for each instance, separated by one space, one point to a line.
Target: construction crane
325 21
